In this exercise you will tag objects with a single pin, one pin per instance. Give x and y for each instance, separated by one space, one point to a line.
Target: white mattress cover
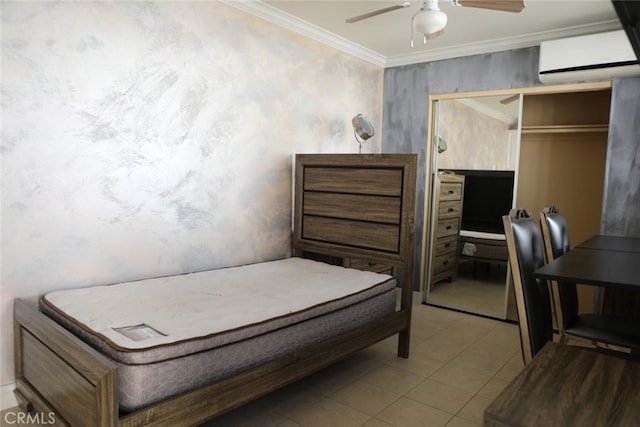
199 304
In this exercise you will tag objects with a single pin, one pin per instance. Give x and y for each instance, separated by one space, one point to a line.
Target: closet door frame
431 151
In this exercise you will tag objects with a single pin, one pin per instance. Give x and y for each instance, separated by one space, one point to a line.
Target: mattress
171 334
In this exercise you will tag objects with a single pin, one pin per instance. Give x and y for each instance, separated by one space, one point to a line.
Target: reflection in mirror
481 135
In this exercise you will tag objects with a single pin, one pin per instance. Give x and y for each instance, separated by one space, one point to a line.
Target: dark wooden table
570 386
612 243
621 301
598 267
611 263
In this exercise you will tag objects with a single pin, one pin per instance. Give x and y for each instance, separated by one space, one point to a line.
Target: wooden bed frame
346 207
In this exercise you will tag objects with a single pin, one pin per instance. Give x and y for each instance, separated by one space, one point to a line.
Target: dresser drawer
450 209
446 244
444 262
450 191
369 266
448 227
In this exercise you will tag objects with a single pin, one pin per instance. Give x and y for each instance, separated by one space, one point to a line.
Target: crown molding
286 20
490 46
293 23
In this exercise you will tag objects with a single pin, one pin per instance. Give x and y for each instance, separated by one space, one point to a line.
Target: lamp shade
429 21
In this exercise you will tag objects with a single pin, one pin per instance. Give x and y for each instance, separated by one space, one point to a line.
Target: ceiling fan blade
502 5
377 12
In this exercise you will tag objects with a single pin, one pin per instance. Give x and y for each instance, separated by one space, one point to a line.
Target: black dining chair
555 235
526 254
596 328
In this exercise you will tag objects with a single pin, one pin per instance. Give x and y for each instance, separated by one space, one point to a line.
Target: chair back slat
555 232
526 254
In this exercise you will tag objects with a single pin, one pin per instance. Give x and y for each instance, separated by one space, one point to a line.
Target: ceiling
385 39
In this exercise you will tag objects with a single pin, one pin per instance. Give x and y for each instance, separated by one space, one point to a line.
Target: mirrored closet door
473 182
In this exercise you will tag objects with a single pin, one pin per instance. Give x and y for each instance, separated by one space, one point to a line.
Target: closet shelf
565 128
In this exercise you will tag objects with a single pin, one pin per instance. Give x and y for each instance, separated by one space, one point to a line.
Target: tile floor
458 364
472 296
480 291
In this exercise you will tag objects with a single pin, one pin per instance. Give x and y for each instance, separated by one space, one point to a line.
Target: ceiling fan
430 20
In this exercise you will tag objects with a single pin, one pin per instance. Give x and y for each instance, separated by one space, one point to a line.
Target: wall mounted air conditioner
592 57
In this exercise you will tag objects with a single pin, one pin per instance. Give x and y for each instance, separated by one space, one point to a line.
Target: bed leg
23 403
403 343
406 303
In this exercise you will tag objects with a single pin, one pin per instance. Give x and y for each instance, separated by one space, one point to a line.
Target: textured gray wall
622 183
406 115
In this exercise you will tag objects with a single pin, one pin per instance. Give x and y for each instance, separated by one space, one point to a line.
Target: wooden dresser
449 193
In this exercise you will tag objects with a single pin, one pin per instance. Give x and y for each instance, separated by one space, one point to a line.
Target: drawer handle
448 227
450 210
446 245
451 191
445 262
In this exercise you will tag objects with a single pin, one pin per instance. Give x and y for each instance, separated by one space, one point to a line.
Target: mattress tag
139 332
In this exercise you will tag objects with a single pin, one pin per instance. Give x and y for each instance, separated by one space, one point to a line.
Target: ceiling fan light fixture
429 21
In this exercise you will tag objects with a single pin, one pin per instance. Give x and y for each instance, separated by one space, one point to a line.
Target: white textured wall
474 140
145 139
